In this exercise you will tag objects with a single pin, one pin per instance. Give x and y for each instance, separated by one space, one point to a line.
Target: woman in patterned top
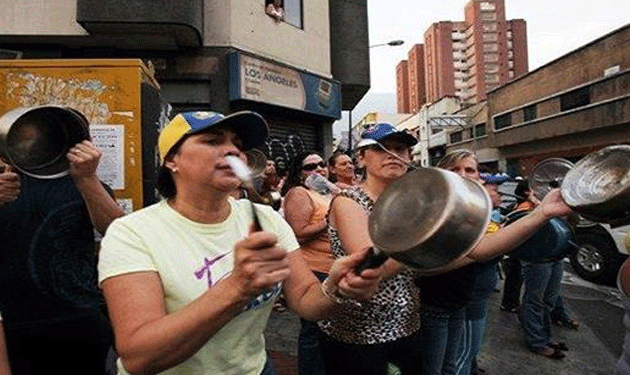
365 338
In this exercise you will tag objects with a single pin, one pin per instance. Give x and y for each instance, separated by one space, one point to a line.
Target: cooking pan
427 219
35 140
598 186
552 241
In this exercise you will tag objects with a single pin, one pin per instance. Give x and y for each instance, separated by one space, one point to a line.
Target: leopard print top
392 313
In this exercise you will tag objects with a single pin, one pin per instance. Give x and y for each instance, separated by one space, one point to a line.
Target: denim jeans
542 288
440 334
513 282
476 317
268 369
310 360
342 358
470 346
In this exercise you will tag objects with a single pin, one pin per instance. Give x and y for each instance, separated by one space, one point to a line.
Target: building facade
570 107
468 58
402 87
227 55
417 92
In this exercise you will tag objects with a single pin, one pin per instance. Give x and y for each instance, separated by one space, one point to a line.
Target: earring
174 170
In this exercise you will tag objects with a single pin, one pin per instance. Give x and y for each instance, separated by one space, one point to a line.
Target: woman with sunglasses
305 210
366 338
190 281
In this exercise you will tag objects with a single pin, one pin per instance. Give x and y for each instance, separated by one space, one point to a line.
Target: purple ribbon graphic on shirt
206 268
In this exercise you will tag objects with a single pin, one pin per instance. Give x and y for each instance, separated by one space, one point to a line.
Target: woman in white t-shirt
189 282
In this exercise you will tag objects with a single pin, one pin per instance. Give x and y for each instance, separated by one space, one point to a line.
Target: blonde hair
453 157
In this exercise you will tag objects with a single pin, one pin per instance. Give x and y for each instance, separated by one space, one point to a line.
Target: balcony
165 22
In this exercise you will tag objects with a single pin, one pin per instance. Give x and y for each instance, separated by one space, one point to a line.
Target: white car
600 251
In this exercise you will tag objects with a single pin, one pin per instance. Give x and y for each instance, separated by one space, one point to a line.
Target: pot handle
374 259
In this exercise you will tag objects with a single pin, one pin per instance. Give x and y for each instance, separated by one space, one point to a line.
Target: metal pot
429 218
35 140
598 186
552 241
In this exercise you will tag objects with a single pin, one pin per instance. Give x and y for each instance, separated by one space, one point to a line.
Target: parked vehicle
599 248
600 251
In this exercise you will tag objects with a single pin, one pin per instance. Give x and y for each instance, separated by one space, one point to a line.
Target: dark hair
332 161
165 184
294 174
521 190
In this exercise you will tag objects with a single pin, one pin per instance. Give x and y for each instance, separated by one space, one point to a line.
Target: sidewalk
503 353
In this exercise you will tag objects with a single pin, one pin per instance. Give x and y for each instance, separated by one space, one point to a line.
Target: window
575 99
490 37
530 113
480 130
503 121
456 137
289 11
489 26
484 5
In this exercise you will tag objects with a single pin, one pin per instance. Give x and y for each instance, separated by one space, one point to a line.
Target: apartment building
468 58
417 92
402 87
227 55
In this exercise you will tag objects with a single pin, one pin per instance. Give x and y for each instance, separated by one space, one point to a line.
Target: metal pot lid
548 175
599 184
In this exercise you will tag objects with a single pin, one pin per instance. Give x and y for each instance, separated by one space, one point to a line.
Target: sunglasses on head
313 166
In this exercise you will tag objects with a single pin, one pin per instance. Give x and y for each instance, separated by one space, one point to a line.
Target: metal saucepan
598 187
427 219
553 241
35 140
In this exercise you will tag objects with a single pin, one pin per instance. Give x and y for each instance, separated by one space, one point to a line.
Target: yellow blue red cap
251 128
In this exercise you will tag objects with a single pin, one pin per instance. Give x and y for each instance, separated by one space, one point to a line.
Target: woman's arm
298 209
149 340
511 236
305 295
103 209
351 221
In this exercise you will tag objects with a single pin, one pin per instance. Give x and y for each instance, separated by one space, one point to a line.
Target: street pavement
594 347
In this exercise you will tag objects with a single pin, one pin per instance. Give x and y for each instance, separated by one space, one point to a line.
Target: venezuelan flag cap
250 127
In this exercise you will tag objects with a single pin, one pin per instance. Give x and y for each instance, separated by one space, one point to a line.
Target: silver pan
429 218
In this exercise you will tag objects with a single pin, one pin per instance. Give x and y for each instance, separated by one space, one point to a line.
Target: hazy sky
554 27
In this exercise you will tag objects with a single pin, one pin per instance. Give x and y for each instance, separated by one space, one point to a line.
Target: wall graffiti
283 151
83 95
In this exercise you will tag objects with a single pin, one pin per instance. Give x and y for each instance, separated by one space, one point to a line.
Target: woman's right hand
258 264
553 205
9 186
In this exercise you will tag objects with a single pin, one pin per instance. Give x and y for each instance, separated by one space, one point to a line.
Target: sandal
548 352
569 323
558 346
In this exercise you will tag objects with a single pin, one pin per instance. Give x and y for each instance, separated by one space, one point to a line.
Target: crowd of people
186 286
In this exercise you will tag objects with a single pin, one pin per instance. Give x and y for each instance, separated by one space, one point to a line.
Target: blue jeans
268 369
310 360
476 317
470 346
440 335
542 288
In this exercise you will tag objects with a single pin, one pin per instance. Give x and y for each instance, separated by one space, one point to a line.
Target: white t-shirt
189 258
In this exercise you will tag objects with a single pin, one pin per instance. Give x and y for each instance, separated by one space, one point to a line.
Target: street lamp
391 43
